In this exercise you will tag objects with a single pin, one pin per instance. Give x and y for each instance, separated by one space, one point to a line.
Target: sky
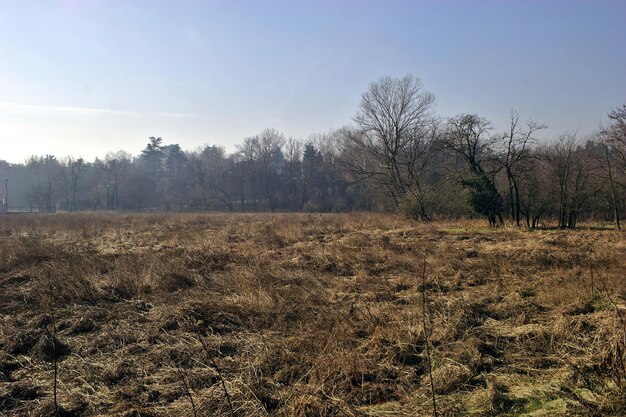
83 78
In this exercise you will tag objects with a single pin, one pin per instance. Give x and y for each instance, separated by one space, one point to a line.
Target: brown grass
307 315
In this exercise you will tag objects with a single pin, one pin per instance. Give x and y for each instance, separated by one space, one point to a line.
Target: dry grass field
307 315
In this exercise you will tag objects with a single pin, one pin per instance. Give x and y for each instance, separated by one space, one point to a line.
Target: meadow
308 315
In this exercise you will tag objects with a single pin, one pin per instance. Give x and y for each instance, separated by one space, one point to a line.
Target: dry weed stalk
216 367
620 344
593 284
188 393
54 344
426 341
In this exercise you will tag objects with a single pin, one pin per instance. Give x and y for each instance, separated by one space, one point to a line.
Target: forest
396 155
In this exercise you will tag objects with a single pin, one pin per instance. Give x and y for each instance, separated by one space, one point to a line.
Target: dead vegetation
307 315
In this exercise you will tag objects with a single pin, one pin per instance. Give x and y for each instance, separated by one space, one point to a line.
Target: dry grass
307 315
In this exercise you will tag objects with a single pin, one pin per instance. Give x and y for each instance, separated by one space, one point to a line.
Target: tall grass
307 315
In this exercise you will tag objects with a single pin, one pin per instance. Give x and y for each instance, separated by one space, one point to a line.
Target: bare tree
393 136
616 132
72 170
533 180
263 159
293 172
571 172
613 139
248 157
44 181
212 172
512 150
272 160
117 166
608 160
174 176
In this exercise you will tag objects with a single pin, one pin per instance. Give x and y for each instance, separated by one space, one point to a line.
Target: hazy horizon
87 78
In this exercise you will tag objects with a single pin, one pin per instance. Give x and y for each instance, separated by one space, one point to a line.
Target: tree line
397 155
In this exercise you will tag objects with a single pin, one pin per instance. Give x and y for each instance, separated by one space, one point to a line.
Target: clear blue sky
86 77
